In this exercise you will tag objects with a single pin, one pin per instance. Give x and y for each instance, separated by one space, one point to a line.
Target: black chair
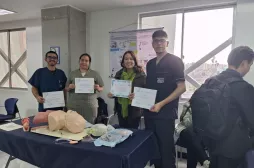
11 109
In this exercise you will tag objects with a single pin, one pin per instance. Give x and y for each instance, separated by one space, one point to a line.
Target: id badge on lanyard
60 84
160 80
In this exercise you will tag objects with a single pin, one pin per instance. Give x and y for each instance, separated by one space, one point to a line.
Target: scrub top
48 81
83 99
164 77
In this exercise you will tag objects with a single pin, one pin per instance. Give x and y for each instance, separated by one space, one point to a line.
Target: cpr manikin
58 120
74 122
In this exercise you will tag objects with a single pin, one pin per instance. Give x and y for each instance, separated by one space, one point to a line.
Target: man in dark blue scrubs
48 79
165 73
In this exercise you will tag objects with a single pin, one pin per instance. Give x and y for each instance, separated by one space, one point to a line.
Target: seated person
185 137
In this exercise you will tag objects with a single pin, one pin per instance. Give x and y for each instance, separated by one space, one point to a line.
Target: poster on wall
145 48
138 41
57 50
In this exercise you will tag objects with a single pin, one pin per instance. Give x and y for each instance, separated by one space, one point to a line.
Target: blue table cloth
42 151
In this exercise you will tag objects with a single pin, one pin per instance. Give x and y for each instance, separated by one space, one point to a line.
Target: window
203 39
172 24
13 54
5 12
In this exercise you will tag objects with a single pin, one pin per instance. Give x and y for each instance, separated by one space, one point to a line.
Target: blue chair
11 109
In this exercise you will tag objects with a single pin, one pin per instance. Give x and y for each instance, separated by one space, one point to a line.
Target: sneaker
206 164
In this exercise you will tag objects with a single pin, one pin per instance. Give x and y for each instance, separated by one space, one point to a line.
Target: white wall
244 27
27 104
102 22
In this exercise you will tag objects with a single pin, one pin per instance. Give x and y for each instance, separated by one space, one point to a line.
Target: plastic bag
110 128
97 130
112 138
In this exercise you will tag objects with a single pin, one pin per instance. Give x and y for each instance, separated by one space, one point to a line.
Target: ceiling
28 9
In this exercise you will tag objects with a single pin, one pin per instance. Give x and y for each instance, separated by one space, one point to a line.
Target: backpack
186 108
102 115
102 119
103 107
210 106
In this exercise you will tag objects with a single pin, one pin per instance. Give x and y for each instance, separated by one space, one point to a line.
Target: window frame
183 11
10 65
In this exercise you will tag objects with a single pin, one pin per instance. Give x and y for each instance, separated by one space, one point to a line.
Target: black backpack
210 106
102 115
103 107
102 119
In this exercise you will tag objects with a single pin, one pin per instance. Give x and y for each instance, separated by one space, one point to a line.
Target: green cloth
124 102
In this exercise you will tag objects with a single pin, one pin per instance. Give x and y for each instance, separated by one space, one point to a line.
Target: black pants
128 122
223 162
195 149
164 132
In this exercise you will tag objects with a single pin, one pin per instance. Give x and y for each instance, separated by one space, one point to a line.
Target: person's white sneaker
206 164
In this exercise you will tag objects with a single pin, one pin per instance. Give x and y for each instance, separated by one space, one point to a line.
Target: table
41 151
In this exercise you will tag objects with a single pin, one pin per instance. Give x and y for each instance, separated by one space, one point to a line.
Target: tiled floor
20 164
15 163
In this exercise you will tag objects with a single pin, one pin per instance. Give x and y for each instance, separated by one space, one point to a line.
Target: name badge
60 84
160 80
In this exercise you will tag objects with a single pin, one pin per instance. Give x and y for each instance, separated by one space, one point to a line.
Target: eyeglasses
157 41
53 58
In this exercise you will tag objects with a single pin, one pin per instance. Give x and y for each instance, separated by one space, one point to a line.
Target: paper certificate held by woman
121 88
84 85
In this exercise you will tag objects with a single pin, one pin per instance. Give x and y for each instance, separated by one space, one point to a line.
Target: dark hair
85 54
136 66
51 52
240 54
160 33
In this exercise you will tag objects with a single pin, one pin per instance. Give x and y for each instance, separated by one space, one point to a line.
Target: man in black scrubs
165 73
47 79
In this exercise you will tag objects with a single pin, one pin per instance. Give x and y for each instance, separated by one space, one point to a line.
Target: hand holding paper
71 86
110 95
97 88
131 96
40 99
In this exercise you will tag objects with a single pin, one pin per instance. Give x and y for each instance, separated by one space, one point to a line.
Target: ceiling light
5 12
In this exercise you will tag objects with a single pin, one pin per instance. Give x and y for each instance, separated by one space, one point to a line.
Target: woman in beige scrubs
85 104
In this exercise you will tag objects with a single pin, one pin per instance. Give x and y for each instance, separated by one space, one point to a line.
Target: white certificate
144 98
84 85
53 99
121 88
